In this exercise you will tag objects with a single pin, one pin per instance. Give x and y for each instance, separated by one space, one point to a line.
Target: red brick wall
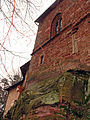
71 11
58 53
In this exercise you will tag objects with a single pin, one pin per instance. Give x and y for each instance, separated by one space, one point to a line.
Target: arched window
56 25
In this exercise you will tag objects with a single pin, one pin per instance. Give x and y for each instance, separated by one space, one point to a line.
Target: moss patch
47 92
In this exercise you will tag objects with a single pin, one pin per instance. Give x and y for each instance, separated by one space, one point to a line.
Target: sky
19 41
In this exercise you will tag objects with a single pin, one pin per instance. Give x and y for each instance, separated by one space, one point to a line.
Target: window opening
41 59
56 30
56 26
60 26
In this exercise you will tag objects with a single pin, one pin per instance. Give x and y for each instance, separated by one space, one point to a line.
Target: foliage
74 111
77 111
3 95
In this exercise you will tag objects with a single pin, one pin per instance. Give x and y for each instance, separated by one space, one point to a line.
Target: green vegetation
47 92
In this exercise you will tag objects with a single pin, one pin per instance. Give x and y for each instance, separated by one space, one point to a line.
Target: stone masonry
69 49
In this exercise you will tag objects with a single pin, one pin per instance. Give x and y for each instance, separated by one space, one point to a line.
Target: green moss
47 92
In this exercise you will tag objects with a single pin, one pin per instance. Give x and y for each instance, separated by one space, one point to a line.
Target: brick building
62 41
59 70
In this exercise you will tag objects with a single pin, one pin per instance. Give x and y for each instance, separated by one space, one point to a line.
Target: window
56 28
56 25
60 24
41 62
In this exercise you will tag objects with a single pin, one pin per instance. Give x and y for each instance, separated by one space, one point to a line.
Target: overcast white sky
21 45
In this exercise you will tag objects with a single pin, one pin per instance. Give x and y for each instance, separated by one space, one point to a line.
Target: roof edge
13 86
41 17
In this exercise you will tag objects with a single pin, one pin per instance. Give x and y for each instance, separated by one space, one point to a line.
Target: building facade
62 41
59 70
15 90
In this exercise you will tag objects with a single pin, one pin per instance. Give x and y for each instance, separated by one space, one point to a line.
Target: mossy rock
46 92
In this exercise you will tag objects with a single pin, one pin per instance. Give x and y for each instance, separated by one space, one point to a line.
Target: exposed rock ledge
38 101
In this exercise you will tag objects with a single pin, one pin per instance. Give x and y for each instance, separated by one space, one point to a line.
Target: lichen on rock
47 93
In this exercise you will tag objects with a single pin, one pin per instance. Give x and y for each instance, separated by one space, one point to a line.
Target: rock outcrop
40 100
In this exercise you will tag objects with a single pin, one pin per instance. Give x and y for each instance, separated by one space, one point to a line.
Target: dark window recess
41 59
60 25
56 25
56 30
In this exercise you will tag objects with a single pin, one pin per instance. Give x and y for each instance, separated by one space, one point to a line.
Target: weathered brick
59 50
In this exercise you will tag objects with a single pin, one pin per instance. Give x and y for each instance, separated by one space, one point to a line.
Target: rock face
40 100
56 52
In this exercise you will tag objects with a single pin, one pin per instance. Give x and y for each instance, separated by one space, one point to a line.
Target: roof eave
13 86
40 18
